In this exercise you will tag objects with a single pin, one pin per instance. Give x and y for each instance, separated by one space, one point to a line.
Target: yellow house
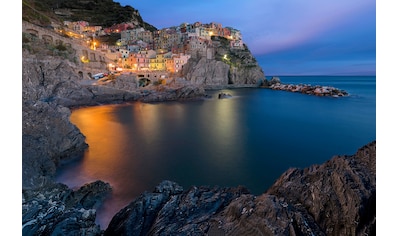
158 63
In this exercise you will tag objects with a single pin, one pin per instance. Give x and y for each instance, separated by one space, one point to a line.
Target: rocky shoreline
335 198
316 90
297 204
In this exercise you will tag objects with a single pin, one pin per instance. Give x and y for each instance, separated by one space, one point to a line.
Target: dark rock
340 194
316 90
170 211
89 195
275 80
224 95
47 137
264 215
54 209
181 92
335 198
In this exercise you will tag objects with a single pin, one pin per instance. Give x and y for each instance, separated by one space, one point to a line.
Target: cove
249 139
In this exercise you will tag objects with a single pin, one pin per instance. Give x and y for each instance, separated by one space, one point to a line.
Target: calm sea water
249 139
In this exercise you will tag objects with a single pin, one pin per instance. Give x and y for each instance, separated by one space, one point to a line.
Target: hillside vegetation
97 12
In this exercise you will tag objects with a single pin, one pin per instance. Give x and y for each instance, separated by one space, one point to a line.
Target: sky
290 37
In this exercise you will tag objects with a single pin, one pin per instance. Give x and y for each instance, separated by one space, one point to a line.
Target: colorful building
180 61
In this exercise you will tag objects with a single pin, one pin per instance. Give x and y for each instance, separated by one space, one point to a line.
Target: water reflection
110 156
147 120
135 146
250 140
226 138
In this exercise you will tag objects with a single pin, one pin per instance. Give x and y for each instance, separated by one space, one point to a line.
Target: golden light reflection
95 123
227 133
148 120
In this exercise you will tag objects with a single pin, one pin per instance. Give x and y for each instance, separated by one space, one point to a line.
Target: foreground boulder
55 209
340 194
171 211
335 198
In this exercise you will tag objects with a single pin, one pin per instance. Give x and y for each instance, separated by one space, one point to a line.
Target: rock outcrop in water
316 90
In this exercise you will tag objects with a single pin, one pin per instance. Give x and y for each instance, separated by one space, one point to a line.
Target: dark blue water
249 139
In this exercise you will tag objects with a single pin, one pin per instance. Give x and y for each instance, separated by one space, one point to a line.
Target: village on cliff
138 49
159 55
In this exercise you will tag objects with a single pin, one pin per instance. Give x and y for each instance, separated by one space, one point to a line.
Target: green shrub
25 38
61 47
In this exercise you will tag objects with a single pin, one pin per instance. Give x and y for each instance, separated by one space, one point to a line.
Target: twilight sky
290 37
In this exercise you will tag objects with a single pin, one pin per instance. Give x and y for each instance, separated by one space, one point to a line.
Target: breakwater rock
316 90
335 198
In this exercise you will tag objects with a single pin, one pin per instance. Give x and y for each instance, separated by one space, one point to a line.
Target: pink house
179 61
141 60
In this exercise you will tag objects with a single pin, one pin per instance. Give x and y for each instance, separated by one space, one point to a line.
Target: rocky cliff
223 66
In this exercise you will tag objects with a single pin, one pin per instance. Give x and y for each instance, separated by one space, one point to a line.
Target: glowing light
84 59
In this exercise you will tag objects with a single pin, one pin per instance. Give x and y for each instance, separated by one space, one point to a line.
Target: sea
248 140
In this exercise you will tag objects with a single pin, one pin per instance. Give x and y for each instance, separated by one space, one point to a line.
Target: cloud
298 22
294 33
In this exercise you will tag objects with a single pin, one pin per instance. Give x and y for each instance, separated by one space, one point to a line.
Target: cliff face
47 134
223 66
